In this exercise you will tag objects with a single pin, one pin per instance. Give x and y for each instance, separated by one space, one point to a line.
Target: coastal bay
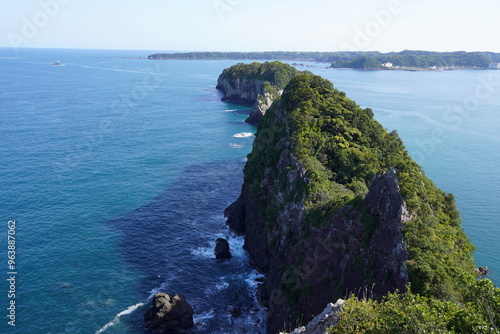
72 174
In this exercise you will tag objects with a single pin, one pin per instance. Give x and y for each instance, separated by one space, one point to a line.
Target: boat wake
113 322
243 135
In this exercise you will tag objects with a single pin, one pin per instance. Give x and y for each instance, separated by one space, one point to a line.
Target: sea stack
222 251
167 314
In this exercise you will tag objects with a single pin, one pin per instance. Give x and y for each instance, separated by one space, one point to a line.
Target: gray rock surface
481 271
167 314
320 324
251 92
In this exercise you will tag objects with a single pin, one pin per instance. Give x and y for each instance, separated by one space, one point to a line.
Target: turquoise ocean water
117 172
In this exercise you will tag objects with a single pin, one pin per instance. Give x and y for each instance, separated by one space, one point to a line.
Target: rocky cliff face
325 214
239 90
320 324
257 84
257 92
361 250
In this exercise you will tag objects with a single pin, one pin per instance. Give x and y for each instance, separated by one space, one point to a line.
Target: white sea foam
252 280
219 286
205 252
155 291
233 145
230 110
235 244
201 319
113 322
243 135
165 286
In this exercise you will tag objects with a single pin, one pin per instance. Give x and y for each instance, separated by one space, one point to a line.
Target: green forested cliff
257 83
321 227
342 147
355 59
276 74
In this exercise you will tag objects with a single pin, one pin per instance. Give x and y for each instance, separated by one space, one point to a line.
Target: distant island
364 60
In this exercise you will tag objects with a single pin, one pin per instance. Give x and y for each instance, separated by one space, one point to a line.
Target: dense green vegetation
351 59
341 146
276 74
417 59
271 55
359 63
411 313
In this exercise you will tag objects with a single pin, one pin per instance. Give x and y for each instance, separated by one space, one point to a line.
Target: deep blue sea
117 172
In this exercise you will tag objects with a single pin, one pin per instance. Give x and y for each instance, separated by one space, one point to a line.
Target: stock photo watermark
223 7
455 116
380 20
11 273
32 25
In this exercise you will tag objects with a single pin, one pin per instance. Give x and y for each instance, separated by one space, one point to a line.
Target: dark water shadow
169 242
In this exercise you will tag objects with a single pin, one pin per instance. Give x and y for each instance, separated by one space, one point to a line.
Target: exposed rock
239 90
335 257
325 233
251 92
262 105
167 314
255 84
360 251
320 324
481 271
222 250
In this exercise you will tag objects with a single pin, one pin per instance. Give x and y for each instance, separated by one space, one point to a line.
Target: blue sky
252 25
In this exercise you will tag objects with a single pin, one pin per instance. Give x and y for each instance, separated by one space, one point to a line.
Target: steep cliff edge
259 84
333 205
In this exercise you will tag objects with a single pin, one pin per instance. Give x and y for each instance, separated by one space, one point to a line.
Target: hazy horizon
252 26
229 51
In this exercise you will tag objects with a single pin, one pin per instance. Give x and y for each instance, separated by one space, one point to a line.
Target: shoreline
412 69
407 69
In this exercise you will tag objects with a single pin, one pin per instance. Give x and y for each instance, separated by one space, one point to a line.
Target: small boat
57 63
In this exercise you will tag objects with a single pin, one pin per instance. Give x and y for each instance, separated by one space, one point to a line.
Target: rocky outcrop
262 105
168 314
238 90
317 227
320 324
256 92
222 251
481 271
256 84
360 251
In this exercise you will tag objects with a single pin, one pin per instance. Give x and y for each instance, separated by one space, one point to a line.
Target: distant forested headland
357 59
